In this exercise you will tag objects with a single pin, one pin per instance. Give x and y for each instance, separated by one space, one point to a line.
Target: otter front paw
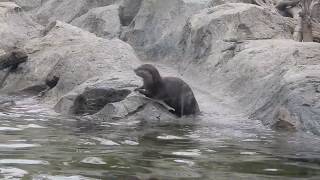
143 91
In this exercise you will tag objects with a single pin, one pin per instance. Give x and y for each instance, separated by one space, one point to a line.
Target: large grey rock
103 21
155 30
66 10
128 10
275 81
29 4
135 107
92 95
15 26
73 55
214 32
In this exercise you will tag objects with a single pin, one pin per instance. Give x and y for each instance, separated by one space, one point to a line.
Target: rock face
74 56
16 26
102 21
271 79
215 31
66 10
285 86
30 4
156 28
128 10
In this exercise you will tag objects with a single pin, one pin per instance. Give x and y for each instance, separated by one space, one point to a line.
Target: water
36 143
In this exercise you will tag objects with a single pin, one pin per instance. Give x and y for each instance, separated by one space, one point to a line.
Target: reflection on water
36 143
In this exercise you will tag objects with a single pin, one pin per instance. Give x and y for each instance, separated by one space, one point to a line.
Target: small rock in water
93 160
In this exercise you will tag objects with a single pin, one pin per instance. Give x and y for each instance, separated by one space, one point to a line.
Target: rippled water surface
36 143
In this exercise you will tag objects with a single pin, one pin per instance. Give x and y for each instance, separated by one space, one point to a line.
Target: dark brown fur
173 91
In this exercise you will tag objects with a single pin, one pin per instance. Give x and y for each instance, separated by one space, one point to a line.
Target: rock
12 59
29 4
287 78
66 10
128 10
214 32
73 56
102 21
155 30
315 12
16 26
283 120
135 107
266 74
92 95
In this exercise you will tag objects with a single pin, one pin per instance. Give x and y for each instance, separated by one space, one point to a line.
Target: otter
172 90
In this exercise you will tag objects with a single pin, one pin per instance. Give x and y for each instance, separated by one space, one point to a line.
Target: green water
36 143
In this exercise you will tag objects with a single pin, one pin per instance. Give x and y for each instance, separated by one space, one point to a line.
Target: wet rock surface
70 111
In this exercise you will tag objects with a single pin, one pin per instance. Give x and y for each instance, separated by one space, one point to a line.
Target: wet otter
173 91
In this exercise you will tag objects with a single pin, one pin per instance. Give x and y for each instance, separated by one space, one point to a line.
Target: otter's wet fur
172 90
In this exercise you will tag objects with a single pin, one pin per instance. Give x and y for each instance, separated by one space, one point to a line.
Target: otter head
150 75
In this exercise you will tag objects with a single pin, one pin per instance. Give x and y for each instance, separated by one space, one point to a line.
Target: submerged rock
283 121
